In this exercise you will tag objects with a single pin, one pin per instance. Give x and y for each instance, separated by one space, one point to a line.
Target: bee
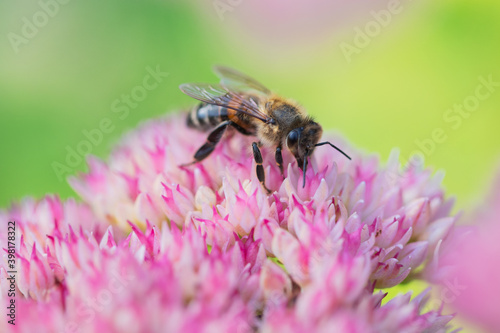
241 102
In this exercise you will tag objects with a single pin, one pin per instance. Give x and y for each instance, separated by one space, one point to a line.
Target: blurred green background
61 77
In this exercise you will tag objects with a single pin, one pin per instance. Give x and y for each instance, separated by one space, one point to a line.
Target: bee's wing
233 78
218 95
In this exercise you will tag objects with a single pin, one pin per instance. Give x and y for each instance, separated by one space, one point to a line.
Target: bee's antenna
329 143
304 168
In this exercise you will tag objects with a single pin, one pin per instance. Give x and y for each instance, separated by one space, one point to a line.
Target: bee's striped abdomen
205 116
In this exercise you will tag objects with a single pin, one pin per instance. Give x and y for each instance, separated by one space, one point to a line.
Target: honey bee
243 103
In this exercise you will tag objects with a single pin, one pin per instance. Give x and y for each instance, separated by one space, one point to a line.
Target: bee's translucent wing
218 95
232 78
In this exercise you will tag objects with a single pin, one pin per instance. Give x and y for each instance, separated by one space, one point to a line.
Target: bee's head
302 140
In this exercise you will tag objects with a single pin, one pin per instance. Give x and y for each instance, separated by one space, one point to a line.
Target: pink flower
205 248
150 281
366 315
49 216
467 266
37 224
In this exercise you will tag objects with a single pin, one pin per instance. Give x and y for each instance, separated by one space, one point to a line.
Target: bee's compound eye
292 138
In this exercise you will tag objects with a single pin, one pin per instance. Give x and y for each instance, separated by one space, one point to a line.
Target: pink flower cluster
160 248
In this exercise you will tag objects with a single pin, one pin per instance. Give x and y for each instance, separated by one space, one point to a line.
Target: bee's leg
261 176
279 160
209 146
242 130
